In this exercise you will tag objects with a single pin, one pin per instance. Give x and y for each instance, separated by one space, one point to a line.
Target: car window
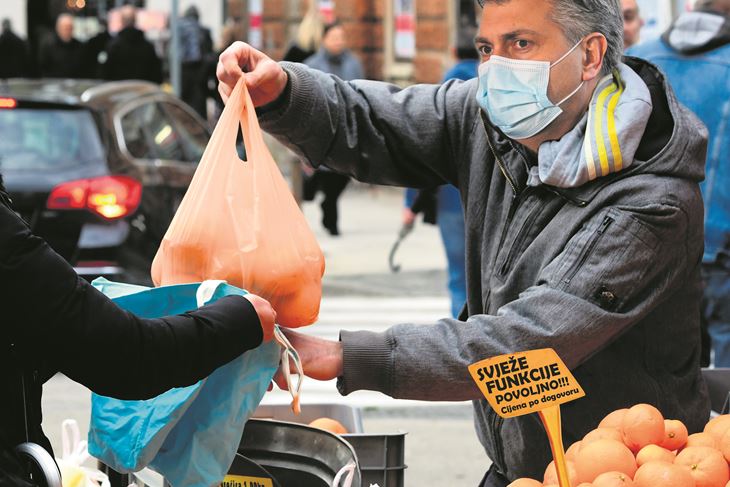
48 138
135 137
194 134
149 133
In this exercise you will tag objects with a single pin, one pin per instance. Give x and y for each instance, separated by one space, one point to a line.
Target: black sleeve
426 202
47 308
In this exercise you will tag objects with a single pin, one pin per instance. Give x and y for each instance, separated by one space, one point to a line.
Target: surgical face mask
514 94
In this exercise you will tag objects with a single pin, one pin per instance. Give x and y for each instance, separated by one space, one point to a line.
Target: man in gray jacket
579 176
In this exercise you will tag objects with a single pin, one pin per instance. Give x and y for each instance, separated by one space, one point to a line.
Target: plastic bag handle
206 290
250 128
240 111
348 470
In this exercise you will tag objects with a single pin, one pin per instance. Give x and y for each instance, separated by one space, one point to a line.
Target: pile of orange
637 447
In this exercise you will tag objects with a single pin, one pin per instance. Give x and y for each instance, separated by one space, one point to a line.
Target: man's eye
485 50
522 44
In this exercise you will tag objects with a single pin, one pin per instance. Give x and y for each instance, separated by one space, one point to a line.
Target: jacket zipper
607 221
517 242
498 447
5 199
500 163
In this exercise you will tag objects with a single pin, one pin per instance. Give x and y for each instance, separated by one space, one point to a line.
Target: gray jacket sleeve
643 257
373 131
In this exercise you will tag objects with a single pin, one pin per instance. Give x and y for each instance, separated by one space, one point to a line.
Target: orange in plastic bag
240 223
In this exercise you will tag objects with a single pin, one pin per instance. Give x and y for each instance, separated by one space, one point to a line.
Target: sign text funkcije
525 382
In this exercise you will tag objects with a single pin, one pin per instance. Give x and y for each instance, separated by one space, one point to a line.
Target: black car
98 169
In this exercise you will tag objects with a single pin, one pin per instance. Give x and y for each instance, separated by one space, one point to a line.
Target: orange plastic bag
240 223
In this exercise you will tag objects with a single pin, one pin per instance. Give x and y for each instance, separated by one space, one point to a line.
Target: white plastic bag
75 453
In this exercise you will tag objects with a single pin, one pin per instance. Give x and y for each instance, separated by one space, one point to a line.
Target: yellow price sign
242 481
525 382
522 383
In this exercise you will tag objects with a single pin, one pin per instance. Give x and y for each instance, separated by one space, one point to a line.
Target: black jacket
131 56
14 55
53 321
59 59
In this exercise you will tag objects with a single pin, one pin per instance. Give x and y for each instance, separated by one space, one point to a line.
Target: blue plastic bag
189 435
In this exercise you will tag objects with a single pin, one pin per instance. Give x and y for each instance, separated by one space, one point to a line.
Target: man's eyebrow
508 36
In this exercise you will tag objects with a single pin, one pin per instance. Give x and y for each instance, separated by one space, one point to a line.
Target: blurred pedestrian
632 22
95 52
234 28
307 42
332 57
695 55
196 45
61 55
130 55
309 35
446 199
14 55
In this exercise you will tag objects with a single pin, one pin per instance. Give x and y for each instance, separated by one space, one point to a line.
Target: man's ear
593 56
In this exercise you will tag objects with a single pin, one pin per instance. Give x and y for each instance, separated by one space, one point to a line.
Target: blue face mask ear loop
560 60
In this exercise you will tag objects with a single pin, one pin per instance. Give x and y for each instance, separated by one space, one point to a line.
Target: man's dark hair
578 18
330 26
6 25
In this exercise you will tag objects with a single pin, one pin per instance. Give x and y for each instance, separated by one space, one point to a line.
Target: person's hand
321 359
267 315
408 216
265 79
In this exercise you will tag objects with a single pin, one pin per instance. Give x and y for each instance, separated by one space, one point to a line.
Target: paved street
361 293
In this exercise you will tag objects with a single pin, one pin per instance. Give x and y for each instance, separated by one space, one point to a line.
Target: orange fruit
329 424
551 474
602 456
654 453
662 474
602 434
705 464
525 482
613 479
642 425
573 450
613 419
718 425
675 435
701 439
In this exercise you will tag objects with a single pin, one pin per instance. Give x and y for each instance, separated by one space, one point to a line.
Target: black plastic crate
381 458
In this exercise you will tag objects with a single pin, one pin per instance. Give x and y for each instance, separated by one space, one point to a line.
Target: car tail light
8 102
109 196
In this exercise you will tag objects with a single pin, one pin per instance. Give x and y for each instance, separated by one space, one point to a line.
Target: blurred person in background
196 45
309 35
95 54
130 55
14 55
234 28
632 22
335 58
307 41
61 55
446 198
695 55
